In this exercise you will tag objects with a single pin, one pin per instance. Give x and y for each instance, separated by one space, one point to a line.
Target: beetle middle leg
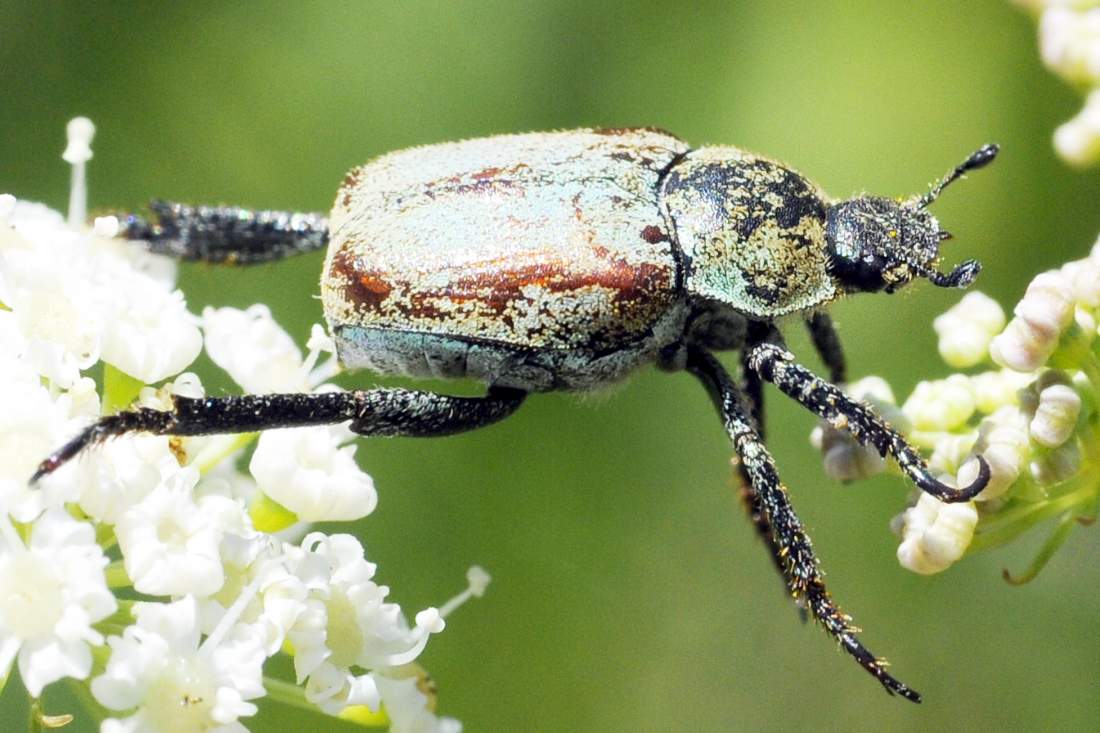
225 234
375 412
799 564
777 365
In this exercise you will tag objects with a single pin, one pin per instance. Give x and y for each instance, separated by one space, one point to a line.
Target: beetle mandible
564 261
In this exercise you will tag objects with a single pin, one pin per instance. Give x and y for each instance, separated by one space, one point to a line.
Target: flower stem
287 693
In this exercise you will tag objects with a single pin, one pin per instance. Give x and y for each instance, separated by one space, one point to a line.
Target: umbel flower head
89 325
1027 404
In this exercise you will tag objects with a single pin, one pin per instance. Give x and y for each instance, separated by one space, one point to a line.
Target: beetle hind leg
793 550
374 412
225 234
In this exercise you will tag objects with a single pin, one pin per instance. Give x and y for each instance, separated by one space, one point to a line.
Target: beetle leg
225 234
382 412
798 562
753 390
777 365
827 342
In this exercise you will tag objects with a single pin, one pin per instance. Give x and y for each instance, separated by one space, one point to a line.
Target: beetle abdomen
545 241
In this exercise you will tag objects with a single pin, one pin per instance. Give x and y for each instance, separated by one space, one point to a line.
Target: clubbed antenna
980 158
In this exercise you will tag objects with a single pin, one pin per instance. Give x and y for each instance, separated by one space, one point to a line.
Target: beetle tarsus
225 234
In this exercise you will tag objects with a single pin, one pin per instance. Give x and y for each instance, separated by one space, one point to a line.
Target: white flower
170 542
347 623
307 471
409 709
935 535
51 592
42 281
120 473
967 328
32 424
149 332
159 667
255 351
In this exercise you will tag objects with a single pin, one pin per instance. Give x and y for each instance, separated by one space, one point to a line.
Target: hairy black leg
827 342
798 562
753 389
380 412
777 365
225 234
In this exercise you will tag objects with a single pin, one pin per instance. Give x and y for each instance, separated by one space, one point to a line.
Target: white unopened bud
942 404
1003 442
1031 337
1056 410
967 328
1084 279
935 534
1078 140
994 390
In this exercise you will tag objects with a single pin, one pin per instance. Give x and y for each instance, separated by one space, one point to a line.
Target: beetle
564 261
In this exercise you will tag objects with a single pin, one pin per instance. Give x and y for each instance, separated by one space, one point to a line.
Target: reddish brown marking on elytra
493 286
654 234
363 288
490 172
351 182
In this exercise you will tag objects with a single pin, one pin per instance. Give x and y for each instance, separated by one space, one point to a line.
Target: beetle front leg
777 365
827 342
376 412
798 562
225 234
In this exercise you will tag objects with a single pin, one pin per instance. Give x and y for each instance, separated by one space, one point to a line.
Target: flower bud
942 404
1031 337
1056 410
967 328
1003 442
935 534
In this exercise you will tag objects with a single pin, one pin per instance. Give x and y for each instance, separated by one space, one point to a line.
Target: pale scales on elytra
563 261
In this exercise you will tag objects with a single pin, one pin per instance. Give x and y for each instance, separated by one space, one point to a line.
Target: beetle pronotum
564 261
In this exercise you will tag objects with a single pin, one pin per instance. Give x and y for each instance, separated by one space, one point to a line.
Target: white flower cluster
174 519
1028 406
1069 43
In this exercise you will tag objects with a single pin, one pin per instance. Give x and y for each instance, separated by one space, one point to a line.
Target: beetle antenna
980 158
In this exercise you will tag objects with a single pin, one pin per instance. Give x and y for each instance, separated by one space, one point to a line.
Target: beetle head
878 243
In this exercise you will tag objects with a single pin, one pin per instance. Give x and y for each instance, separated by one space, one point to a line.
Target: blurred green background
629 592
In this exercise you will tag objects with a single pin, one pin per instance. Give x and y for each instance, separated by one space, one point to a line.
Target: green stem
116 575
206 463
1009 525
119 390
288 693
1057 538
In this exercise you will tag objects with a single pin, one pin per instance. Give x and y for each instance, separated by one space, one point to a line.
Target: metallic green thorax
752 232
